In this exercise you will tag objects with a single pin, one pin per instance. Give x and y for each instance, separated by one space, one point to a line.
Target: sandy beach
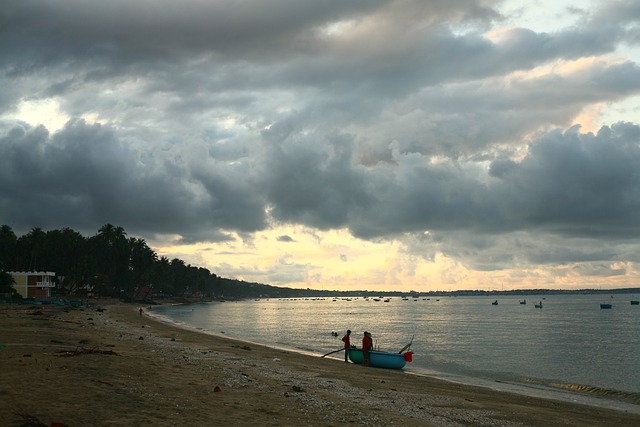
108 366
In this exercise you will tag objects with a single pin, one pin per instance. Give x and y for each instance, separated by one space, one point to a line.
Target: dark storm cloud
89 30
313 181
570 183
579 184
393 119
115 38
84 176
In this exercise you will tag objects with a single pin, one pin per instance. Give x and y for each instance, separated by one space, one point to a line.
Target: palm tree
30 251
8 245
66 253
141 261
110 248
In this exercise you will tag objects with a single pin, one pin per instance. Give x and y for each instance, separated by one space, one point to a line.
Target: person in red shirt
367 346
347 345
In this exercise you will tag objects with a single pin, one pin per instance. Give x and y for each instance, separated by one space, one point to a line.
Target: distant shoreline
307 293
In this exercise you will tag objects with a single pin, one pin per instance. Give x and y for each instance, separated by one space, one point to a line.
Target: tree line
112 264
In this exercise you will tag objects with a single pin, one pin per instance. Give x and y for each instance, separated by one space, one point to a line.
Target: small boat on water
523 302
605 306
539 305
495 302
381 359
635 302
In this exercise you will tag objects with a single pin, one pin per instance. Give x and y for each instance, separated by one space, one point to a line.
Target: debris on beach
243 347
67 353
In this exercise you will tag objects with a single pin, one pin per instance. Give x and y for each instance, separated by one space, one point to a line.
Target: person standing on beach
347 344
367 345
141 311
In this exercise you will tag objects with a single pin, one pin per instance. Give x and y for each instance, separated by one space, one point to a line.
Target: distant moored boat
605 306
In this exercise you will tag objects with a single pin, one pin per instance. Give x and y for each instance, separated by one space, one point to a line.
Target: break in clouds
435 123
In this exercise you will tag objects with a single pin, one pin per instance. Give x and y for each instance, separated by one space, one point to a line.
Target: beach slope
107 365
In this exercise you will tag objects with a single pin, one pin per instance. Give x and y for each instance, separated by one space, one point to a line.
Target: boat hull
379 359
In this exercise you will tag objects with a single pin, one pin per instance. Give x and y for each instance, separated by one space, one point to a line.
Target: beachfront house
33 284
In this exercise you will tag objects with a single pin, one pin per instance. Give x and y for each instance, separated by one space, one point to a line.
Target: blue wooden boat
380 359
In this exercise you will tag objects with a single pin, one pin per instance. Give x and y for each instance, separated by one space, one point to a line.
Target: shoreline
106 365
508 386
597 395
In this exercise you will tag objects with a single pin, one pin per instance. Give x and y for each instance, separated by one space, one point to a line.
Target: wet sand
108 366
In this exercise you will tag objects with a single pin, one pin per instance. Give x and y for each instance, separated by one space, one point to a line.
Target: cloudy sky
378 144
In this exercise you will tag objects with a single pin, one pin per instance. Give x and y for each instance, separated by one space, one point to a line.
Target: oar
331 352
407 346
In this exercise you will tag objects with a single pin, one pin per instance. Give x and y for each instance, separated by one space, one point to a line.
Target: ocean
569 344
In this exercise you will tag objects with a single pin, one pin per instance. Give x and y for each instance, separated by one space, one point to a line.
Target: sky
367 144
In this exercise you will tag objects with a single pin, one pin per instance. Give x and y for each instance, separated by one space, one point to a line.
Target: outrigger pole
406 347
331 352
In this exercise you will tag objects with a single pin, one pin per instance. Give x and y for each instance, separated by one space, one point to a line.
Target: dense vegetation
112 264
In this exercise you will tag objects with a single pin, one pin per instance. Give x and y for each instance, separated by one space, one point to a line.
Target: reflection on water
570 343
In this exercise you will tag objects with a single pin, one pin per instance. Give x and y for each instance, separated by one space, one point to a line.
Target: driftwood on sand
80 352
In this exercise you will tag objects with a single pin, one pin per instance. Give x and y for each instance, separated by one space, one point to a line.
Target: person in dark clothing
347 344
367 346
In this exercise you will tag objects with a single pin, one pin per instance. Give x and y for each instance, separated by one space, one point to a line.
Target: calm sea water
569 344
